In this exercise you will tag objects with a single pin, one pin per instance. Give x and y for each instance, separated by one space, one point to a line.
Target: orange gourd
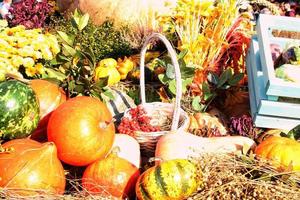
31 168
82 129
112 175
283 152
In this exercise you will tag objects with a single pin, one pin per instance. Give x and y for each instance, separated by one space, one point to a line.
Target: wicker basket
159 111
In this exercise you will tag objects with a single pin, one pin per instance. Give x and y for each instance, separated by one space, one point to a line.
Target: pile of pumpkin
43 131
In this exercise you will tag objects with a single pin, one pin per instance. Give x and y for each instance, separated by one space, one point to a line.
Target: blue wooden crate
275 87
267 113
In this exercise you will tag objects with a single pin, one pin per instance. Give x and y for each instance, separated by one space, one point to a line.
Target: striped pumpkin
174 179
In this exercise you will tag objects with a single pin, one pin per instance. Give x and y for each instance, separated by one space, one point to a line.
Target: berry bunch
139 121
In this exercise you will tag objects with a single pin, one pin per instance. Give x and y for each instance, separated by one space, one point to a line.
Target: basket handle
172 53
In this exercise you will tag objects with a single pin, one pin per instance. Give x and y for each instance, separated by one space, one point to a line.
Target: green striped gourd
174 179
19 110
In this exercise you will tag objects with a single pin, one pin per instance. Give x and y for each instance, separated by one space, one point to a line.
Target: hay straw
242 177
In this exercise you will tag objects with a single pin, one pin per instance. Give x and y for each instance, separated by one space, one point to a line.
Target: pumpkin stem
155 159
115 151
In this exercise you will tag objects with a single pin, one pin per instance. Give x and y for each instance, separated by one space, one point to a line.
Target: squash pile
80 132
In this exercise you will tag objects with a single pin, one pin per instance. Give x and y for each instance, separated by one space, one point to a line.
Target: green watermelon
19 110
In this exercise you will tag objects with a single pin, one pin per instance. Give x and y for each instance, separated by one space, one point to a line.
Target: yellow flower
16 61
4 54
47 54
26 51
15 29
39 68
22 42
37 55
3 43
30 71
28 62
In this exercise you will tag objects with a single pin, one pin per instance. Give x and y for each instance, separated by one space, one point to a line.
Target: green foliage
214 86
168 78
293 133
104 40
76 63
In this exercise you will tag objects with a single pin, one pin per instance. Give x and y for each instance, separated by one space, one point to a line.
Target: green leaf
76 19
172 86
66 38
163 79
182 54
185 83
84 20
61 58
187 72
236 79
101 83
196 105
170 72
294 133
89 54
225 76
161 62
109 94
55 74
71 51
213 78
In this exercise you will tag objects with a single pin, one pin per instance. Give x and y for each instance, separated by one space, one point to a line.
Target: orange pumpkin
113 175
82 130
31 168
283 152
50 96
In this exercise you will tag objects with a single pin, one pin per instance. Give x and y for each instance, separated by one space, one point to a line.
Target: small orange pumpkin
113 175
283 152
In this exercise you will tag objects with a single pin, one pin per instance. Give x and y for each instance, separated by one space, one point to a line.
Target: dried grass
242 177
224 177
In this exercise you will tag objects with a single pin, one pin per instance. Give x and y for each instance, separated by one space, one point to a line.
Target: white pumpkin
128 149
121 11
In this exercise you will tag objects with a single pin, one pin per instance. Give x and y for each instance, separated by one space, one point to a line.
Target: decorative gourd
31 168
121 11
82 129
183 145
129 149
50 96
283 151
112 175
19 110
174 179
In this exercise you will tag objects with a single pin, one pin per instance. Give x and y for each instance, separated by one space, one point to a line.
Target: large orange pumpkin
50 96
31 168
113 176
283 152
82 130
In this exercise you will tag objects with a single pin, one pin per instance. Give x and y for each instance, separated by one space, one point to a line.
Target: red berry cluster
139 121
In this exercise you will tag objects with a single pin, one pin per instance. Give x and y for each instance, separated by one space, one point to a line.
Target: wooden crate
267 113
266 24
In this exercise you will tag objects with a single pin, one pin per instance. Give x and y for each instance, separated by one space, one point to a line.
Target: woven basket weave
159 111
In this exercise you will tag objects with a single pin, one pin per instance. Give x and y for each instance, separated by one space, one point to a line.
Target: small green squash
19 110
173 179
